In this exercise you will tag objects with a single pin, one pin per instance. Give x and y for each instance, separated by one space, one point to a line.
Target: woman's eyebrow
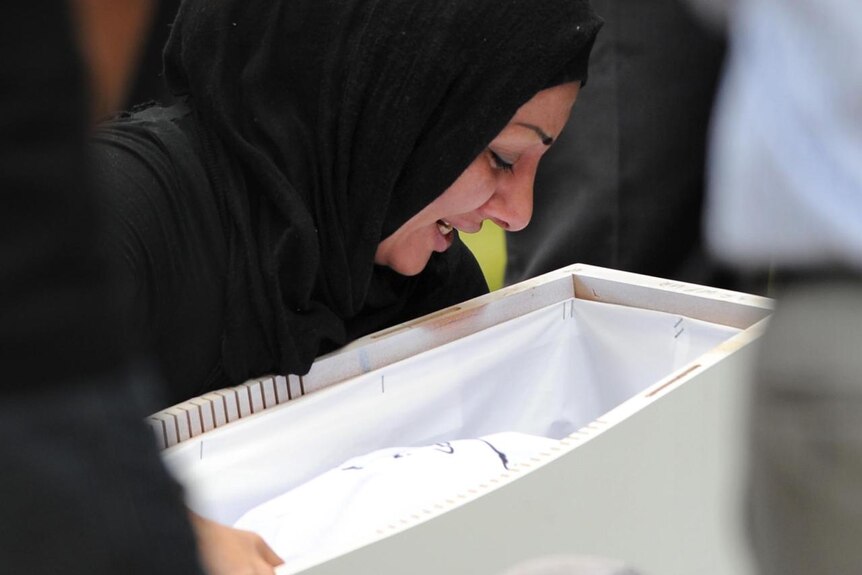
546 139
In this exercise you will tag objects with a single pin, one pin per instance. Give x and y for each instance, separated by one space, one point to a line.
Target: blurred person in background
785 194
624 185
82 486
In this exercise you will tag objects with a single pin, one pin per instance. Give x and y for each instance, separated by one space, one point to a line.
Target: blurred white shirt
786 157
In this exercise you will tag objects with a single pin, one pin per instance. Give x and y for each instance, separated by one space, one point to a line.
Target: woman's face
496 186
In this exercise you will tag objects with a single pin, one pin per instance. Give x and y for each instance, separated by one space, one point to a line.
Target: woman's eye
500 163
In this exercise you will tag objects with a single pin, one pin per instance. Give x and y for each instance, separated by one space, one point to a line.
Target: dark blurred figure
623 185
82 487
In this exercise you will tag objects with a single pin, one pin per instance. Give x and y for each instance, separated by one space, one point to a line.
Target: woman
295 199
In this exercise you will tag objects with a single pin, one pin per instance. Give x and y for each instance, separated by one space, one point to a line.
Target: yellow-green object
489 247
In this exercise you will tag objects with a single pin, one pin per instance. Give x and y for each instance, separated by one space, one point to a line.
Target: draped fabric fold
326 124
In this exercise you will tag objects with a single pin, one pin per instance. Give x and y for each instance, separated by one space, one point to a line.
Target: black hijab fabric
326 124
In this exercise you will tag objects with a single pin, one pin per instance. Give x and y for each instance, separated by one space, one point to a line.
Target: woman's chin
410 266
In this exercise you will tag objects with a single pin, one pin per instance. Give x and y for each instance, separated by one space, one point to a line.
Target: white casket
640 382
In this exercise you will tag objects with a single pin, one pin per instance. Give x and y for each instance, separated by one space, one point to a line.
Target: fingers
225 550
267 553
262 568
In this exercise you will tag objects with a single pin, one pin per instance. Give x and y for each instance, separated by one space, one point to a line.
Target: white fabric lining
547 373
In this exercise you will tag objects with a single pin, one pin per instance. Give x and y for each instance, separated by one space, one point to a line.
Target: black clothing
321 127
56 317
164 228
82 490
623 186
149 82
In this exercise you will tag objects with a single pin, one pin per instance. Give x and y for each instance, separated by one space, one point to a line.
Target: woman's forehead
544 114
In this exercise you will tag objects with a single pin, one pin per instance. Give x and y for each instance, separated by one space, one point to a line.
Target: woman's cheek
475 190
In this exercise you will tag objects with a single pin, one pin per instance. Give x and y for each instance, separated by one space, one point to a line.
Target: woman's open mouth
444 227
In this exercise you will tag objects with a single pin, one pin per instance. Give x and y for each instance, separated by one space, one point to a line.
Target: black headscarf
326 124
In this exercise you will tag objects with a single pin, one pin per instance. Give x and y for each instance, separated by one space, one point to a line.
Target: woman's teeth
444 227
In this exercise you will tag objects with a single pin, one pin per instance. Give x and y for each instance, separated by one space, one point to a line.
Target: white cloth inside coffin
346 506
546 373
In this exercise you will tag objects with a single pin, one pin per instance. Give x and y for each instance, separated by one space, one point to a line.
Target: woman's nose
511 206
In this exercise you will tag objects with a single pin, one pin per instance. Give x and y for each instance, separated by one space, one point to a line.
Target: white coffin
642 381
